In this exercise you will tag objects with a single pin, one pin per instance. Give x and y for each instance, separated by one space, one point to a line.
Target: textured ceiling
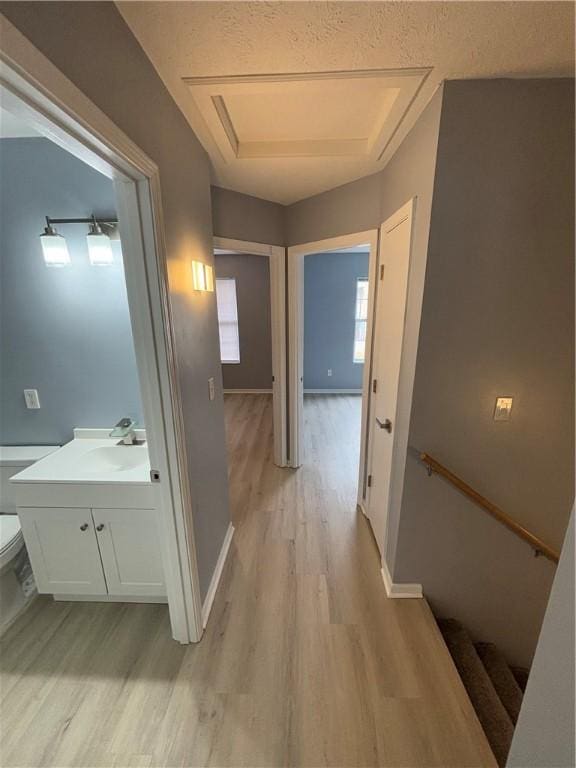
456 39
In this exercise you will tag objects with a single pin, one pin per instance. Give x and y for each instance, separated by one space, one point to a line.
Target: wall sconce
54 246
202 276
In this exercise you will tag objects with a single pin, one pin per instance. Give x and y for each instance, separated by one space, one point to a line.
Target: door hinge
381 271
374 386
369 481
273 379
154 476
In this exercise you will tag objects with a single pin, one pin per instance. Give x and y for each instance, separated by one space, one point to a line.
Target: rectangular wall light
202 276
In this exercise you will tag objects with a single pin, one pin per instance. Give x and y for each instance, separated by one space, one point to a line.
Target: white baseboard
399 590
110 598
332 391
211 594
247 391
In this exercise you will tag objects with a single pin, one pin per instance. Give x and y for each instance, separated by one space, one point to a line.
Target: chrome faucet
125 431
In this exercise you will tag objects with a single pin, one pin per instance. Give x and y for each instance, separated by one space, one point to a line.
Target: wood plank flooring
305 662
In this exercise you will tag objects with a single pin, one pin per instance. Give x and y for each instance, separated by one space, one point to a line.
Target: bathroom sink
91 460
114 458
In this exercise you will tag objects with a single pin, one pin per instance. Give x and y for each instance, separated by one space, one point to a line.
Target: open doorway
349 303
120 508
250 294
334 338
367 306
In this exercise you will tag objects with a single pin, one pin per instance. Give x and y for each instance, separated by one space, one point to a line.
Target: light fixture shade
209 276
198 276
99 249
54 248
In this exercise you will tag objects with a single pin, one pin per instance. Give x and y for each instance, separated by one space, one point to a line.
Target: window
228 319
360 319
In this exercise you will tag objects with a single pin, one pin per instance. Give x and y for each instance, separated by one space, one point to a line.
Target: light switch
211 388
31 398
329 371
503 408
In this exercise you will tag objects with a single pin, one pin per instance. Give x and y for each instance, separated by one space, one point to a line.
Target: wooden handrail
539 547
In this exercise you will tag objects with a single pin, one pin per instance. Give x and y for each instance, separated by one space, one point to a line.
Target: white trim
296 256
277 256
111 598
332 391
40 93
216 576
247 391
399 590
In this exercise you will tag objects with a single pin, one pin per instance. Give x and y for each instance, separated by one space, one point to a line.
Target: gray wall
544 735
498 319
243 217
252 275
65 332
92 45
329 311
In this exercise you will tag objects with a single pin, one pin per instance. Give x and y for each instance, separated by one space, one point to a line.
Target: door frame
41 93
400 431
296 254
277 258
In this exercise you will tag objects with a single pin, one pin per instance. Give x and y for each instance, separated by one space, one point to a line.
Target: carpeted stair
492 686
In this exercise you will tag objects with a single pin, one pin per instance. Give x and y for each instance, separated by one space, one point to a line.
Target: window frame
228 322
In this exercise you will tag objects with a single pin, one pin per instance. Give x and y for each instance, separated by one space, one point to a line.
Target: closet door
63 550
130 548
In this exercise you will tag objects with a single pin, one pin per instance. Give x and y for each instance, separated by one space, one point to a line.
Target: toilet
16 580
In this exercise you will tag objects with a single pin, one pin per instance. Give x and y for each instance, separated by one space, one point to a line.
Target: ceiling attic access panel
351 114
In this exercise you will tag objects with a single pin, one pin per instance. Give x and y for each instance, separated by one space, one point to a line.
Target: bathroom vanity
88 513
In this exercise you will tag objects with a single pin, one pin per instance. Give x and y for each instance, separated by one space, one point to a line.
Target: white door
388 335
63 550
130 548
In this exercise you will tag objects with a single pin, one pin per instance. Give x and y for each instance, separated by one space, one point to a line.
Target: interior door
130 548
63 550
387 351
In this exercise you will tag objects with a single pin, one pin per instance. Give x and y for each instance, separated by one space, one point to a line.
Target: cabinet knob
100 527
84 527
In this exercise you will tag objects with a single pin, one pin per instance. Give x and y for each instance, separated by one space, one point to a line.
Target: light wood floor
305 662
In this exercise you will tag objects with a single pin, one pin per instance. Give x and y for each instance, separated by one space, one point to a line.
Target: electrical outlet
31 399
329 371
211 388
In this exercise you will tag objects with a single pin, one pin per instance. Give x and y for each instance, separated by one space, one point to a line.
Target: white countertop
90 460
18 455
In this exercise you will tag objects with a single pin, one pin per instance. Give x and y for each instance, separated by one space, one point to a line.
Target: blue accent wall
63 331
329 308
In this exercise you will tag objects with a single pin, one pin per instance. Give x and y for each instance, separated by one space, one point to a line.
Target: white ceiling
293 98
13 127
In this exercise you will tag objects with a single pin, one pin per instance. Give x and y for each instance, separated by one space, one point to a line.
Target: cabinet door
130 549
63 550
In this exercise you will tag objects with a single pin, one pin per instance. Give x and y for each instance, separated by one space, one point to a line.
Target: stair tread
502 678
490 710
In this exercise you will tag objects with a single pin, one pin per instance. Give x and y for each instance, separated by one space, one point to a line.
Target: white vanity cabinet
112 553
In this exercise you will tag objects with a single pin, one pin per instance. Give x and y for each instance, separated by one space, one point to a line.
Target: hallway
305 662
